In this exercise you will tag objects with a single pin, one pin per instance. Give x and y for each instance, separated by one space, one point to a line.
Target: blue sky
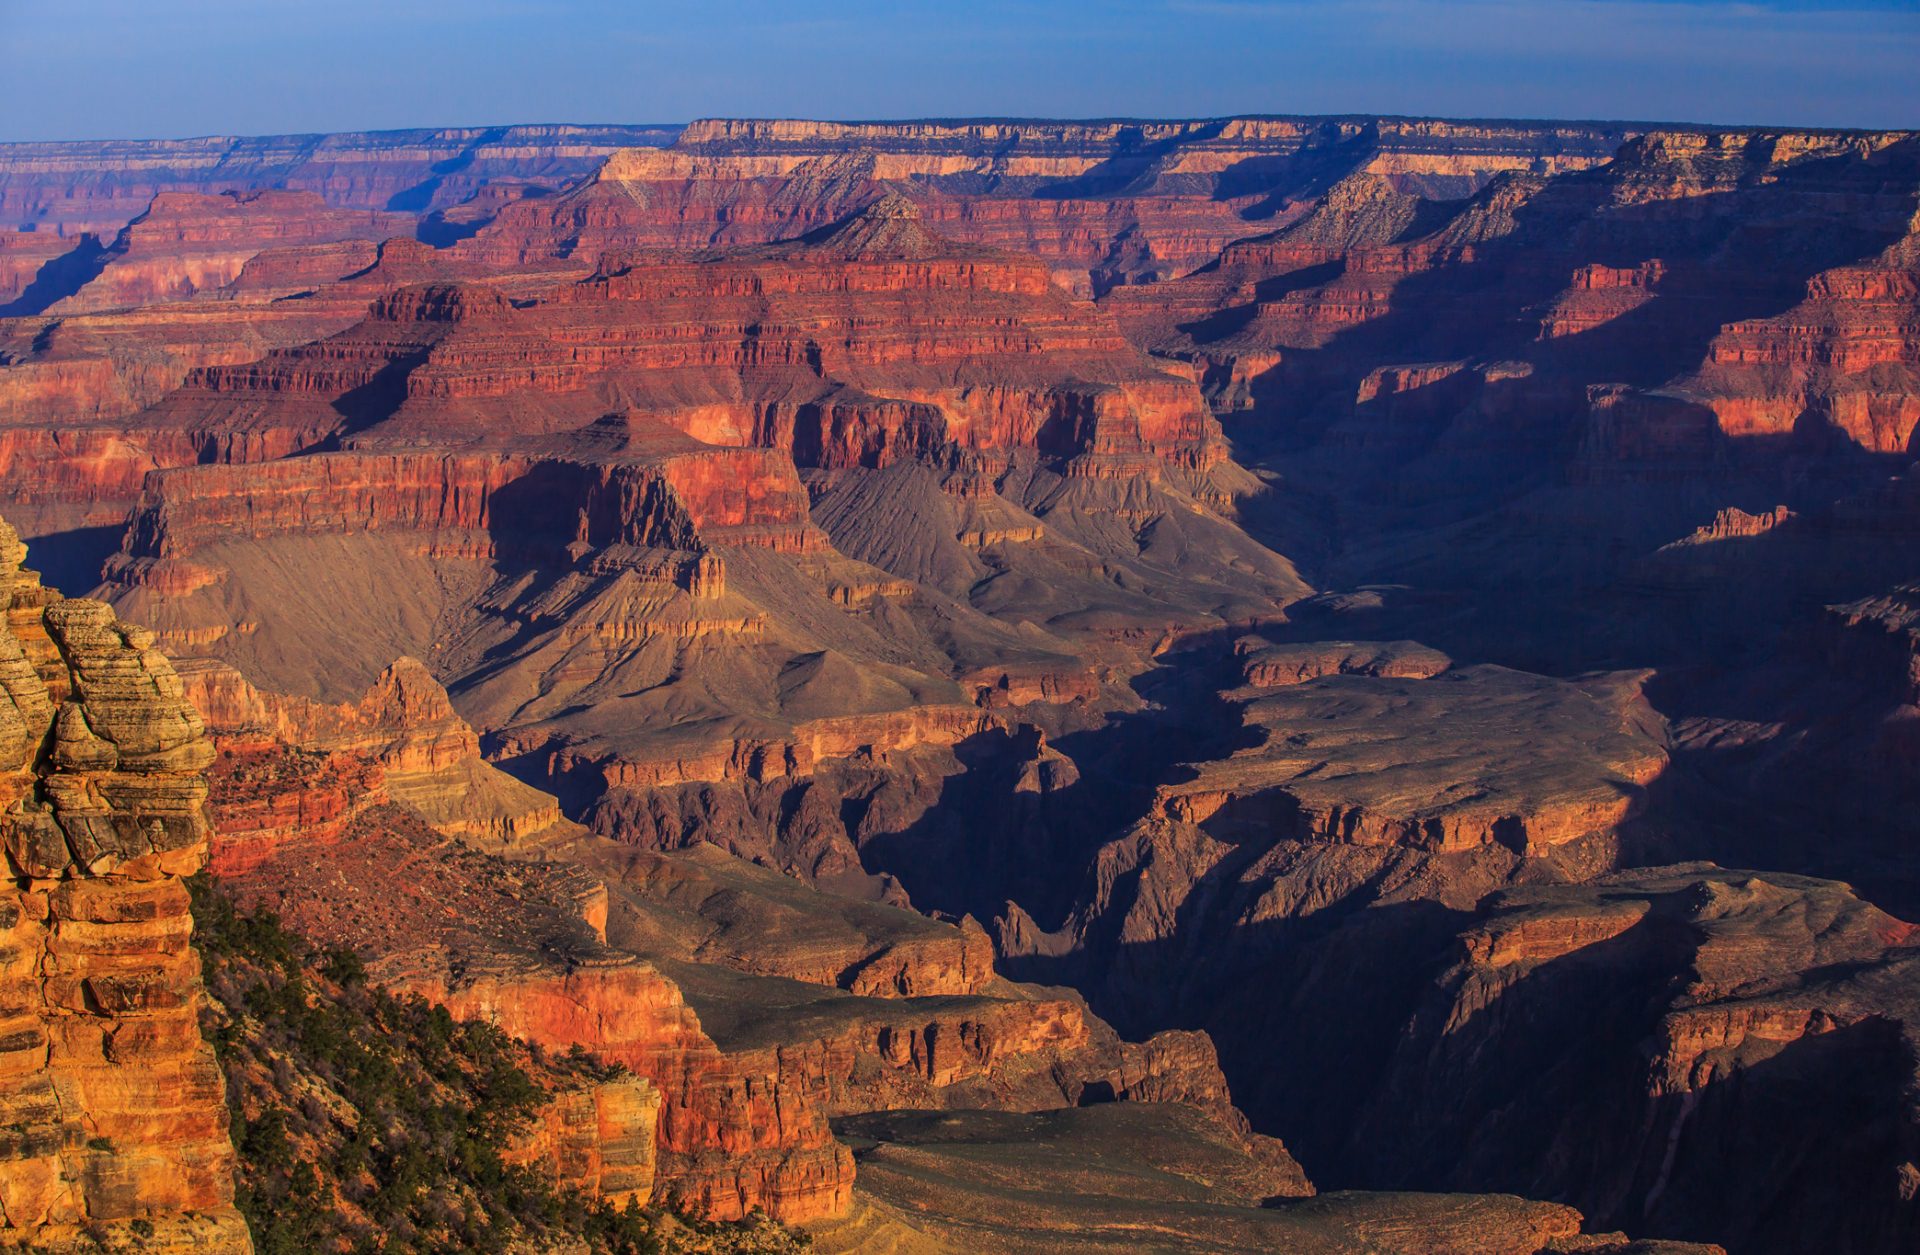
97 68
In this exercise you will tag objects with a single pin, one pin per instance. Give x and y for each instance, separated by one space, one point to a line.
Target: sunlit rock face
115 1113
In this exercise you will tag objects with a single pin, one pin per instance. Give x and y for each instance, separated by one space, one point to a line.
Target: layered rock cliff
578 487
748 1040
114 1108
184 244
1767 1010
70 187
1652 269
1104 203
291 770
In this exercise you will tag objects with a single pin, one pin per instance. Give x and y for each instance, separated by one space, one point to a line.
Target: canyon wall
1104 203
69 187
115 1112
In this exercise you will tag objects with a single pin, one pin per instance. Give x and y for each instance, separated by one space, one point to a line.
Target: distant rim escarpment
67 188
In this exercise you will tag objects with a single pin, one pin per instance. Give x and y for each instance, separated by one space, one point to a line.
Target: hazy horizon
877 120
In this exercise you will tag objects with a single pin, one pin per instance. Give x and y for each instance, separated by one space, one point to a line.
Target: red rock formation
730 1137
477 440
1104 204
113 1105
597 1138
1622 272
82 369
184 244
666 493
295 771
1778 1011
300 269
897 369
1847 356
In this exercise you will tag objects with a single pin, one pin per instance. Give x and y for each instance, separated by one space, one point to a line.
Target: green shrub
368 1124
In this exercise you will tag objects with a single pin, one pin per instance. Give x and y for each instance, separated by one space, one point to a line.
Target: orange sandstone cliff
115 1120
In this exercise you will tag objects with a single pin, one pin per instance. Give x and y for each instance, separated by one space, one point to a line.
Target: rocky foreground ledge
113 1117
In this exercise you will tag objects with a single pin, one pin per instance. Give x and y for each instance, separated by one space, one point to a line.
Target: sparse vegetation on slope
374 1125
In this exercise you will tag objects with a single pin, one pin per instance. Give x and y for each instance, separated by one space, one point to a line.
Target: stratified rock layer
112 1103
65 188
1707 1052
1104 203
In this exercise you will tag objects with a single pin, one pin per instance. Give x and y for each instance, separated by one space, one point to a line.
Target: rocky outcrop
702 905
113 1105
186 244
1005 1053
1470 758
731 1137
1267 665
597 1138
1845 358
1778 1017
292 770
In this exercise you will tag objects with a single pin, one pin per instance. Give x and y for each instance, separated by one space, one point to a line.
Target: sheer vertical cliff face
597 1138
113 1106
731 1136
